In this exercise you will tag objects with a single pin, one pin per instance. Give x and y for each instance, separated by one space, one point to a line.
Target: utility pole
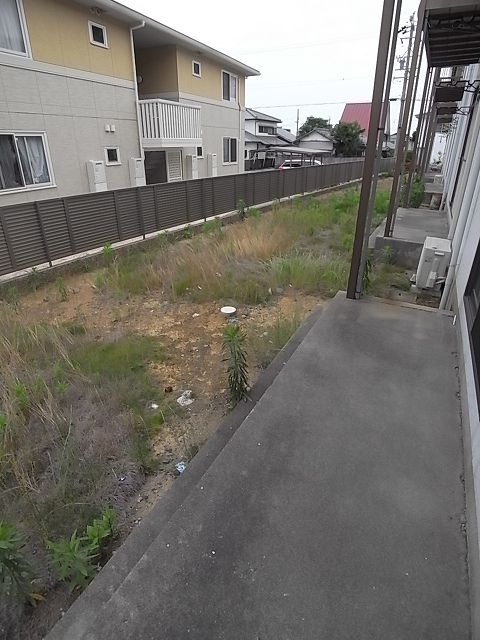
405 81
298 119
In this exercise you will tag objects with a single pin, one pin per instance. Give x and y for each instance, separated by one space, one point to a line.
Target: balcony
169 124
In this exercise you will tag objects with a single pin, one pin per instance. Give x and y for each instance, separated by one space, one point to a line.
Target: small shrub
187 232
100 281
241 208
33 279
16 575
417 192
13 296
108 253
367 274
387 254
254 213
101 531
234 354
62 289
212 226
73 559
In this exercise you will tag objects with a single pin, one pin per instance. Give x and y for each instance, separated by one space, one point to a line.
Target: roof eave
132 17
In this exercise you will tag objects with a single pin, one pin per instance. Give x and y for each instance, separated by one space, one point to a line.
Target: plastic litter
180 466
154 405
185 399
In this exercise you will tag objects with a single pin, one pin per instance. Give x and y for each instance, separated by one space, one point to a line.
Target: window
230 150
112 155
98 34
199 152
23 162
196 69
472 312
229 86
12 28
263 129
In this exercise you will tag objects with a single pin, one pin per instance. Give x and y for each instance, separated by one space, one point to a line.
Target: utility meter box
434 261
192 166
97 178
212 164
136 167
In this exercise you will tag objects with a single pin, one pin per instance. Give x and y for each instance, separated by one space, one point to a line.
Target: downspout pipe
137 106
472 185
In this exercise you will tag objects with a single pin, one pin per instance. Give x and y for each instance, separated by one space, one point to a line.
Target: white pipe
137 105
471 188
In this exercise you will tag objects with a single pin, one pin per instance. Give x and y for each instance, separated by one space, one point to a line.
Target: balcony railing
169 124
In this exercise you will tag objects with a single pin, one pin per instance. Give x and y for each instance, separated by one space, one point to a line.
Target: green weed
234 354
62 288
16 575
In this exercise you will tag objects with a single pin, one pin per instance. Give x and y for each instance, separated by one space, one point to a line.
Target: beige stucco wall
168 70
158 68
58 34
210 84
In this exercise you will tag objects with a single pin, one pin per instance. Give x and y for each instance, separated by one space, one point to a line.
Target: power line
307 82
312 104
303 45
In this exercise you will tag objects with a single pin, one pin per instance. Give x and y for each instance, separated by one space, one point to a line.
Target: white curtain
11 36
38 161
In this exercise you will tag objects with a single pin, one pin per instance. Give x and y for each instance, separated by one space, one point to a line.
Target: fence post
69 225
117 214
157 208
42 232
254 181
204 204
8 241
187 201
140 212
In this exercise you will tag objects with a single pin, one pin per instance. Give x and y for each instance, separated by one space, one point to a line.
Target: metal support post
378 157
403 130
379 82
418 135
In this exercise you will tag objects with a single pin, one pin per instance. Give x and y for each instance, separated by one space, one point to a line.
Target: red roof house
360 112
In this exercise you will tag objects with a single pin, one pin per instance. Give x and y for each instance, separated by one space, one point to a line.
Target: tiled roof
288 136
251 114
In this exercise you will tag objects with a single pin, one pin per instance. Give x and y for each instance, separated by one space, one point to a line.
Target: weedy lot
93 363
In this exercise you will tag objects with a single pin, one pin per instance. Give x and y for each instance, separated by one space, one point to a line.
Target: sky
313 55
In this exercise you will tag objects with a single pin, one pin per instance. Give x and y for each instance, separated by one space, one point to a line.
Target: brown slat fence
40 232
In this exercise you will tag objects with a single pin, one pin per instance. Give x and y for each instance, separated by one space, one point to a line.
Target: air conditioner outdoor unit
433 263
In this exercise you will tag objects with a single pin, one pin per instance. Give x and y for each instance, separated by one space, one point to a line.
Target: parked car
293 164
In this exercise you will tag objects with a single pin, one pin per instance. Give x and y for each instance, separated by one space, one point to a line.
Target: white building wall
72 109
218 120
465 240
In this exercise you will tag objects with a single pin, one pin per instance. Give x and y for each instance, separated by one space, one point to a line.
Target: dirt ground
192 336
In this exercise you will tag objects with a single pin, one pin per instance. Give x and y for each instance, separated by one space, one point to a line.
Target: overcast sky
308 52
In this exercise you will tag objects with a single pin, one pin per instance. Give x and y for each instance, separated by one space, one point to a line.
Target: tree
312 123
347 138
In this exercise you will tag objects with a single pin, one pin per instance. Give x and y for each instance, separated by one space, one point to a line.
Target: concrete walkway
333 512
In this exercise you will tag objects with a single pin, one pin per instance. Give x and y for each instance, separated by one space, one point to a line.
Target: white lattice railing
169 121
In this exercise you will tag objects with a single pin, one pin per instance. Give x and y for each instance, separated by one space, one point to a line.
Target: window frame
91 24
472 312
109 163
202 154
230 75
48 159
229 161
199 74
267 133
26 39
